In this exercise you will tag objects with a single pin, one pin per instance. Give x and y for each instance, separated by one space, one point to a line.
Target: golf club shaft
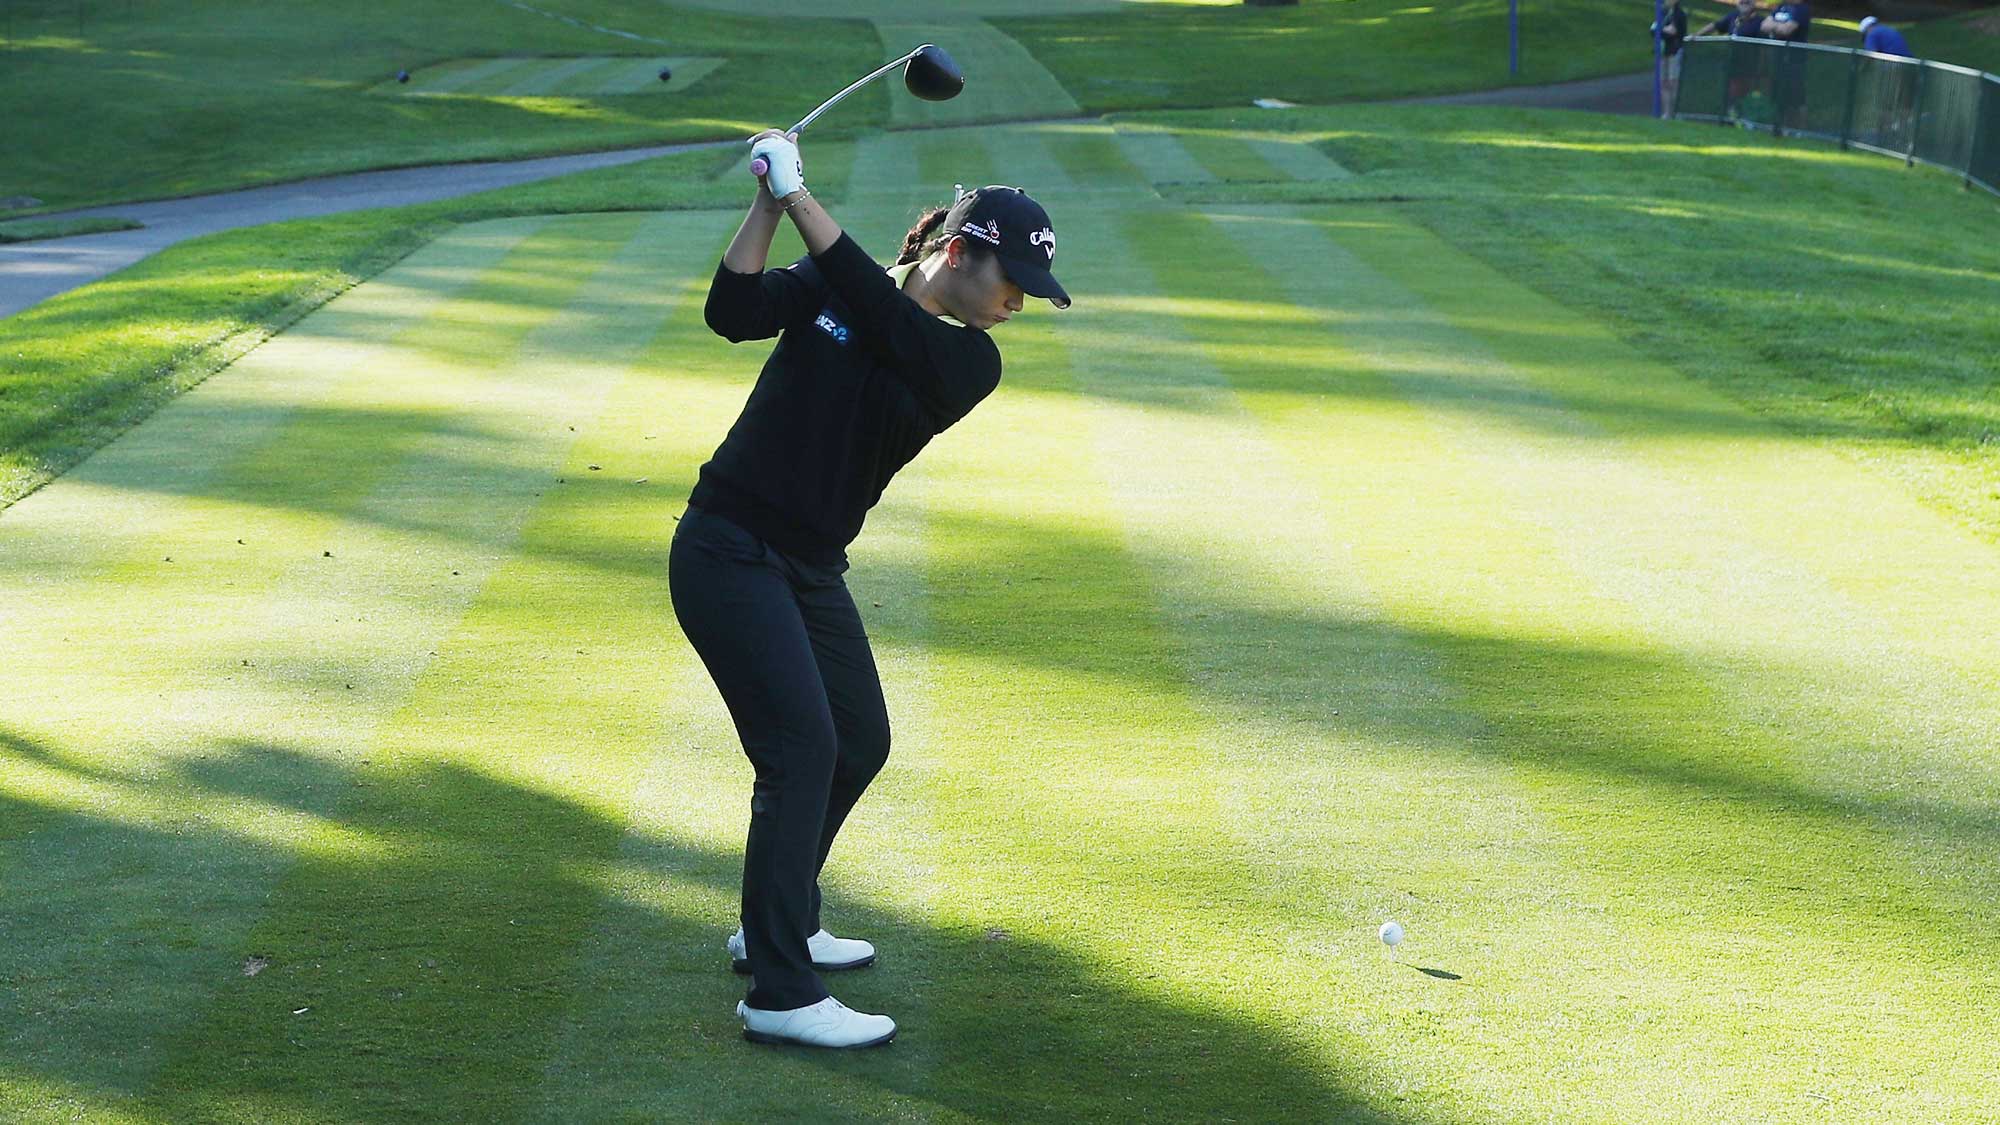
758 167
858 83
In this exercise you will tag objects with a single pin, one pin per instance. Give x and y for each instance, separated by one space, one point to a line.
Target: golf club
928 73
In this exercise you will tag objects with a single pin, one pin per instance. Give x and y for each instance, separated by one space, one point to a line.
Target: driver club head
932 75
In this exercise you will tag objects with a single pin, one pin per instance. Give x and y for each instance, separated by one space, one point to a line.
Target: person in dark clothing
1670 33
1792 22
870 365
1744 22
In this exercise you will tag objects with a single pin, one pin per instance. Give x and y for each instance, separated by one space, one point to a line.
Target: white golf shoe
828 1023
830 954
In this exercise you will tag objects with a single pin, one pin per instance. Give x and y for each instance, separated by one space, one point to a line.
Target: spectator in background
1671 33
1792 22
1882 39
1745 21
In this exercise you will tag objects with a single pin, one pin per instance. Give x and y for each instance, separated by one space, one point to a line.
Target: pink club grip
759 166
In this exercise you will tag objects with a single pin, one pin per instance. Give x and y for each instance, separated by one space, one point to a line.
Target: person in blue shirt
1792 22
1882 39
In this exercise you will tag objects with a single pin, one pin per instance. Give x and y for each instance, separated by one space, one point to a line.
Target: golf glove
785 173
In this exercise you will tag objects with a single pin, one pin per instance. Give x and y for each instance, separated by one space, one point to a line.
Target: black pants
784 643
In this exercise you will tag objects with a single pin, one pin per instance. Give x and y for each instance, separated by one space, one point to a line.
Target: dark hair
928 234
920 233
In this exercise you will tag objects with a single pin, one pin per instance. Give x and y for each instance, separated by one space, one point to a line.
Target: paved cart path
35 271
32 272
1307 572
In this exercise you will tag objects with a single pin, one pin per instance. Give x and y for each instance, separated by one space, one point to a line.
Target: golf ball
1392 933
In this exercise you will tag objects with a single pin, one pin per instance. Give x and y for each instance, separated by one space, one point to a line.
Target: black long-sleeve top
861 380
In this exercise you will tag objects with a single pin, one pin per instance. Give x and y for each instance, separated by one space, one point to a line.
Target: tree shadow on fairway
435 942
127 896
1667 755
993 1026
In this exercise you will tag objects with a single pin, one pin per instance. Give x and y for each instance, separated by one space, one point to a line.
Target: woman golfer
870 365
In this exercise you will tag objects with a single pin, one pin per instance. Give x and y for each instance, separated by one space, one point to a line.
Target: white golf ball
1392 933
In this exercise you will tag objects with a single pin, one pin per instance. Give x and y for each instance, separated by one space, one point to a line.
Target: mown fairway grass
1969 40
1332 560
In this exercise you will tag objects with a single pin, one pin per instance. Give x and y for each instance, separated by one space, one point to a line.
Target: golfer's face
989 297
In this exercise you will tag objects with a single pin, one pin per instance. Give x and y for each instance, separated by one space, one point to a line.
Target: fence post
1728 72
1986 89
1853 85
1916 116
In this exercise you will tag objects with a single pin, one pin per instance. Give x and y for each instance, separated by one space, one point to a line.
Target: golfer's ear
954 251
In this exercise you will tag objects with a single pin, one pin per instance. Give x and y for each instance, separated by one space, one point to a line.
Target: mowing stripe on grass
546 77
1739 820
249 754
1329 720
1535 917
597 75
954 156
1065 803
1231 159
1024 158
1759 526
1910 573
1002 80
465 792
1160 155
117 506
474 77
630 77
170 793
1297 159
889 165
1090 155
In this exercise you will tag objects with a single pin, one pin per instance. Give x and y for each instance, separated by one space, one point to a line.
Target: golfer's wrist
792 199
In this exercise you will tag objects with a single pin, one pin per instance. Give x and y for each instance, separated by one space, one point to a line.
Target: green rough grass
1331 560
1859 316
1325 50
1970 40
78 370
32 230
151 99
154 99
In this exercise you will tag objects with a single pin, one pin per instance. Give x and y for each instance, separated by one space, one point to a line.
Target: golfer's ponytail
915 243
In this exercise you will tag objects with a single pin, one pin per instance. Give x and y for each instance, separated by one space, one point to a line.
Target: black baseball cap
1017 230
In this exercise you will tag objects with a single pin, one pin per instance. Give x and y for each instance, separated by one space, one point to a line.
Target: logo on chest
825 323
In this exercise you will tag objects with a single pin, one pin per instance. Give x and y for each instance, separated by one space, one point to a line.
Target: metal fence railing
1924 112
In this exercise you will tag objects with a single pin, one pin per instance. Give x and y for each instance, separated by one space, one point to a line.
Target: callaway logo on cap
1018 230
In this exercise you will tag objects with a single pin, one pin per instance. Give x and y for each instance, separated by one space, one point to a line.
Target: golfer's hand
784 173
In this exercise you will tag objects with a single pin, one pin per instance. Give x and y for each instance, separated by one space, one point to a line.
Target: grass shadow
424 955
